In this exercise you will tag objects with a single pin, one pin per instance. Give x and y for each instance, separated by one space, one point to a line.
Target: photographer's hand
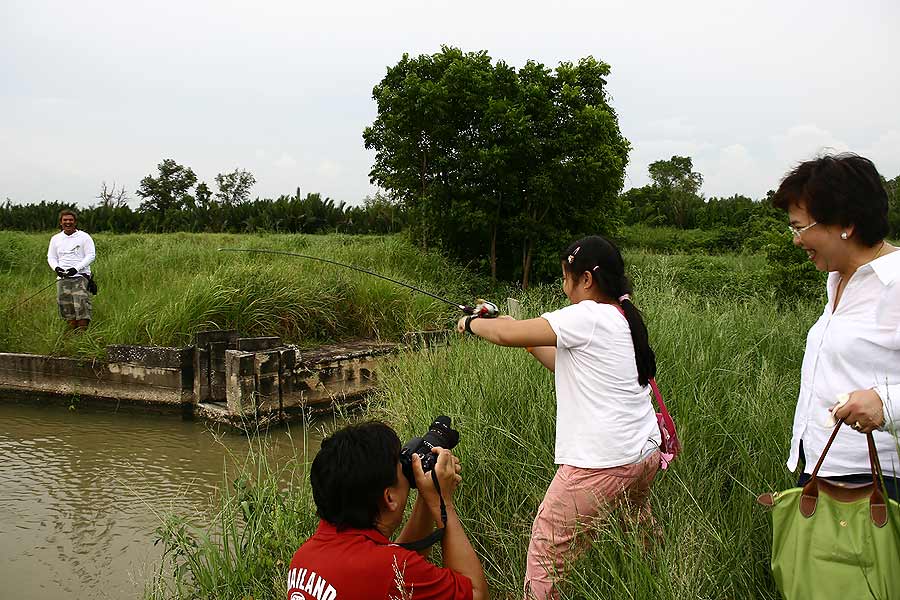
456 550
447 470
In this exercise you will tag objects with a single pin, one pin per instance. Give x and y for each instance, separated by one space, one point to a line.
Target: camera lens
441 434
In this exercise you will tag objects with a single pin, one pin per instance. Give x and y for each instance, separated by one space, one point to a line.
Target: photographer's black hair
600 257
351 471
840 189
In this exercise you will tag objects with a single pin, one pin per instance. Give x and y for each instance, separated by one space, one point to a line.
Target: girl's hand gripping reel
482 309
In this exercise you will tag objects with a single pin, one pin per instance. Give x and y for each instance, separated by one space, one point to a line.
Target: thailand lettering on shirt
304 585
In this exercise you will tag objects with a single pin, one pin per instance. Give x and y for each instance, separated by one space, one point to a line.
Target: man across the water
70 256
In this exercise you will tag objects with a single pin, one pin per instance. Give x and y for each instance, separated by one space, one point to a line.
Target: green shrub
669 240
788 268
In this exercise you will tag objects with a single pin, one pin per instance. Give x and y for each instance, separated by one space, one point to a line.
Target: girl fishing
607 436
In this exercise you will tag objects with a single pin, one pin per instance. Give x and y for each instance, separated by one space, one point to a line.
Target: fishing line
9 310
462 307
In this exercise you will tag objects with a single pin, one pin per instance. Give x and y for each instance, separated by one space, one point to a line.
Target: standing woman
838 211
607 437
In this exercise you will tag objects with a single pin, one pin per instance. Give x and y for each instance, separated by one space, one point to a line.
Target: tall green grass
729 369
161 289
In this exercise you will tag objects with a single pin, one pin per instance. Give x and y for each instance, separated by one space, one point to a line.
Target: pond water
82 491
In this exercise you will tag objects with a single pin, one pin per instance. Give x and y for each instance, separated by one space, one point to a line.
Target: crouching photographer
361 480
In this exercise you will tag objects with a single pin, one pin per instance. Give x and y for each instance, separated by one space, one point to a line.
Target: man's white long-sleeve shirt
853 348
71 251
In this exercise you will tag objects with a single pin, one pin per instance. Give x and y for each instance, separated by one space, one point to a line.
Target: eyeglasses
796 231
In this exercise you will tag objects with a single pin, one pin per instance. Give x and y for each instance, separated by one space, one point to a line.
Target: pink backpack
670 446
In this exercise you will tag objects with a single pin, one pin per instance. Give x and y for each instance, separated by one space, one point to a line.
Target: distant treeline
673 200
286 214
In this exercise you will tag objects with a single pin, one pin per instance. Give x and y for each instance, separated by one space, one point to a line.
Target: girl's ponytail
643 353
603 260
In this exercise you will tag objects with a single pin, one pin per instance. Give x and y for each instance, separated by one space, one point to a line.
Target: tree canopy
499 166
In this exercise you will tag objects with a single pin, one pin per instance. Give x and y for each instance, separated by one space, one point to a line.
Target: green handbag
831 541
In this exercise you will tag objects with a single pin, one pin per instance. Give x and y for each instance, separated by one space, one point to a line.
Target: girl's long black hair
602 259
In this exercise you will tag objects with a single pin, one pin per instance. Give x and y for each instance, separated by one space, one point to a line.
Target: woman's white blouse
855 347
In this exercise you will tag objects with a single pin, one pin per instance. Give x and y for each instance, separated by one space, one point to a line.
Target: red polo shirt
362 564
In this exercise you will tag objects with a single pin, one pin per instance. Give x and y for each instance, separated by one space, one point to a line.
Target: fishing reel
482 309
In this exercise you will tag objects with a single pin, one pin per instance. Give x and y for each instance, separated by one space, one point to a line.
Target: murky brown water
80 492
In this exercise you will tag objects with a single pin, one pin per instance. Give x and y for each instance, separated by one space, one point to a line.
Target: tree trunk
494 253
422 202
526 265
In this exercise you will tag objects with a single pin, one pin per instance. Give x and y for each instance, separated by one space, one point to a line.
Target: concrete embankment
246 382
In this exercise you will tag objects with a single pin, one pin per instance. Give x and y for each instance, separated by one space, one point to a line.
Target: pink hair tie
624 297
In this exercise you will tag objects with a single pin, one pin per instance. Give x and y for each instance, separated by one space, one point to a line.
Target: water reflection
81 491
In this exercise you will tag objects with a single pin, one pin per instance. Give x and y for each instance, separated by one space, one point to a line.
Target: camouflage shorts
74 299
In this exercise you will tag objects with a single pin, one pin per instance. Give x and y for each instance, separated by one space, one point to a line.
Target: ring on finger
857 426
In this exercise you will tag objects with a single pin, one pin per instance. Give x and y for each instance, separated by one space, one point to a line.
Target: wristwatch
469 323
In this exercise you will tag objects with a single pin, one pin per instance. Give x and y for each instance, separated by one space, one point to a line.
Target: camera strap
436 535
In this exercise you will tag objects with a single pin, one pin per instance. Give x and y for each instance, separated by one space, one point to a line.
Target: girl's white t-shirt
604 417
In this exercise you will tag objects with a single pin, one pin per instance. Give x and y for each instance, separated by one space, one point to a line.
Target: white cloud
328 169
286 161
803 142
733 170
885 153
691 80
673 127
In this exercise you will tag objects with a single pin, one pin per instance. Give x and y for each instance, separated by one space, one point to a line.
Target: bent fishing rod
482 308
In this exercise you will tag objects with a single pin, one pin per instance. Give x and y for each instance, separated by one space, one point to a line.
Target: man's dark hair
67 211
351 471
841 189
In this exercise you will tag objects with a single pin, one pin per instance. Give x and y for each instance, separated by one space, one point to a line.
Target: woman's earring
844 235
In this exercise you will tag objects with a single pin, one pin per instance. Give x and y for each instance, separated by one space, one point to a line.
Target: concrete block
229 336
240 387
255 344
201 374
267 362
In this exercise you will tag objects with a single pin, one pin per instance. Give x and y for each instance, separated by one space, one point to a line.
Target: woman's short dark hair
840 189
603 260
351 471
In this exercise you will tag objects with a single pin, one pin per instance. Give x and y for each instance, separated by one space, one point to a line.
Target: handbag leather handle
809 497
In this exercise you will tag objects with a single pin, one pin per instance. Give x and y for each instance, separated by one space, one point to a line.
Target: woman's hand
461 324
864 411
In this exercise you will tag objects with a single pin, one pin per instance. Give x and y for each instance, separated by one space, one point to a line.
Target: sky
101 91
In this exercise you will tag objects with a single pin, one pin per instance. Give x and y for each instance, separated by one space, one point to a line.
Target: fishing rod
9 310
482 308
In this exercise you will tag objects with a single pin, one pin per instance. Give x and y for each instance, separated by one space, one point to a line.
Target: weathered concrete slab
74 377
260 383
151 356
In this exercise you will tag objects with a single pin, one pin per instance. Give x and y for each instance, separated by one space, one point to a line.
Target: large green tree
680 185
169 190
234 187
498 166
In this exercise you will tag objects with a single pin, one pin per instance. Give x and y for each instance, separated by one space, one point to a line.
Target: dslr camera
441 434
